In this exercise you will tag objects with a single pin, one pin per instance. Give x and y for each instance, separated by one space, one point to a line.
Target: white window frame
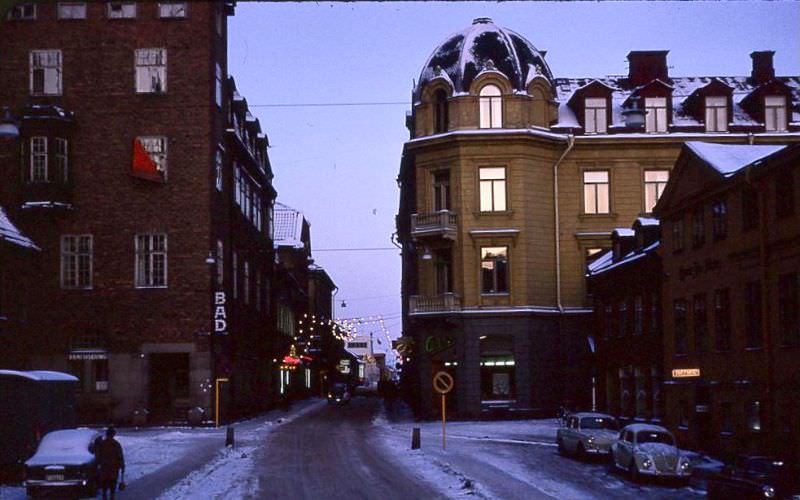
716 114
492 193
656 120
38 160
596 115
22 12
150 269
121 10
49 62
218 169
71 10
218 85
172 9
491 106
150 70
61 157
486 259
156 147
76 261
593 186
654 186
775 113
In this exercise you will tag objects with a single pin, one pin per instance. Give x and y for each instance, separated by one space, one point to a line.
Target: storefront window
497 378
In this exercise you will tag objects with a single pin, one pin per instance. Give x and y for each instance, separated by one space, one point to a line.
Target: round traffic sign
443 382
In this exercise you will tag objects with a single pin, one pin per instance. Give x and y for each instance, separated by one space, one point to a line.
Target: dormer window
491 107
716 114
656 114
440 112
774 113
596 119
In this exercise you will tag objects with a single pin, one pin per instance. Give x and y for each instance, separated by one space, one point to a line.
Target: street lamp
9 127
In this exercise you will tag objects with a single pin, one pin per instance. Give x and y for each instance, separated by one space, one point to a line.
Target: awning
11 234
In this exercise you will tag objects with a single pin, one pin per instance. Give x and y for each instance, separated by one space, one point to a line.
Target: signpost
216 402
443 383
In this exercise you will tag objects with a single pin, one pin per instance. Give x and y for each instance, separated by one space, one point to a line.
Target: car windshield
654 437
598 423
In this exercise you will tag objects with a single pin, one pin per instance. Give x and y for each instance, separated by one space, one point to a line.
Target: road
333 454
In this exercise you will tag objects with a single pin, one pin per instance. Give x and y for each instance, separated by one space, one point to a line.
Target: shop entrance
498 374
168 391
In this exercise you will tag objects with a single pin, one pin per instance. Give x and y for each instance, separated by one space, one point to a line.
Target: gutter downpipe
557 225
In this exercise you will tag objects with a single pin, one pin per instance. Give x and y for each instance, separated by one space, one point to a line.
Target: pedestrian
110 462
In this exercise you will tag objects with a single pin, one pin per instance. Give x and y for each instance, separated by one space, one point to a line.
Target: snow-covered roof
10 233
647 221
624 232
728 159
606 261
288 226
40 375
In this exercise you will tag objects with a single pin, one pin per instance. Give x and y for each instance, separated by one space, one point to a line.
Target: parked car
751 477
587 434
339 393
64 465
650 450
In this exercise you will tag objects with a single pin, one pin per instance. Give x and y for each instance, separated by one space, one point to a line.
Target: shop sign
685 372
701 408
220 314
78 355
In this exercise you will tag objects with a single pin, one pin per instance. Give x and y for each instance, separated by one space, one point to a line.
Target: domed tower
483 77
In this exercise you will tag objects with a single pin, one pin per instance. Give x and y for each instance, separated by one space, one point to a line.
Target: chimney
763 70
645 66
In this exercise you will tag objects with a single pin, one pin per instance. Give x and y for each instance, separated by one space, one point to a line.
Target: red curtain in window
143 166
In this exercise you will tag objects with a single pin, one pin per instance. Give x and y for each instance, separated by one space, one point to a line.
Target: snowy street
316 450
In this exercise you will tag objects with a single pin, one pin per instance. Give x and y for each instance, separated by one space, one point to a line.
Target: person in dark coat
110 461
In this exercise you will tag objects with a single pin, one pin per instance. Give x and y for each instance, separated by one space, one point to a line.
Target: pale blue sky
339 164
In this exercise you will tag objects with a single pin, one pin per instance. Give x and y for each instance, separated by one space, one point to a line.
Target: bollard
415 439
229 436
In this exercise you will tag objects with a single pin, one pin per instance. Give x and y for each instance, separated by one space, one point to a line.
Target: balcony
46 194
446 302
441 224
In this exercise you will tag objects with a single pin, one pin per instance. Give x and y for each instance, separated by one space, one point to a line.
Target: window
750 209
444 271
218 86
76 261
654 183
220 262
491 107
440 112
71 10
258 291
219 19
151 261
719 220
774 113
246 282
726 418
156 148
38 172
218 170
700 323
45 72
754 410
595 115
716 114
151 71
698 228
441 190
656 114
789 308
752 304
494 270
493 189
596 192
654 308
722 319
172 9
235 272
121 10
25 11
609 320
61 157
638 315
622 311
784 194
677 235
681 342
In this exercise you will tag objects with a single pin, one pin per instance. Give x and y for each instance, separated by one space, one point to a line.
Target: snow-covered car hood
656 449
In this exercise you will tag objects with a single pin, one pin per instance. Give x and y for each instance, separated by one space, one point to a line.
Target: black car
64 465
756 477
339 393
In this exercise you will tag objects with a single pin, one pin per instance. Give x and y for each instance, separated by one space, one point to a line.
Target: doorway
168 391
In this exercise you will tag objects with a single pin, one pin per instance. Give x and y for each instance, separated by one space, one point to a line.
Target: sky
338 164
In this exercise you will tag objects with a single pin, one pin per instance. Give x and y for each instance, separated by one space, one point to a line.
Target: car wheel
581 452
633 471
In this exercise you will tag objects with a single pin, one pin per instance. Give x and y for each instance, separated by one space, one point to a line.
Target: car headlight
647 463
768 492
685 465
591 440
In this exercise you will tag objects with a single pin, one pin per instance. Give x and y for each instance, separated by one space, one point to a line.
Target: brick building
145 181
731 233
512 178
625 283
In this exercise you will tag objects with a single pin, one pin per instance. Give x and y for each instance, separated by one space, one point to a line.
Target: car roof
645 427
591 414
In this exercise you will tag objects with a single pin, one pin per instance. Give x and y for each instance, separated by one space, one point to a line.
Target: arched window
440 115
491 107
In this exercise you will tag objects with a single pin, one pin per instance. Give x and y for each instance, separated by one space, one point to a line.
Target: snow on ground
150 449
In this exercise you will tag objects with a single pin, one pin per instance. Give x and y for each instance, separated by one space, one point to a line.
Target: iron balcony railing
441 223
432 304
